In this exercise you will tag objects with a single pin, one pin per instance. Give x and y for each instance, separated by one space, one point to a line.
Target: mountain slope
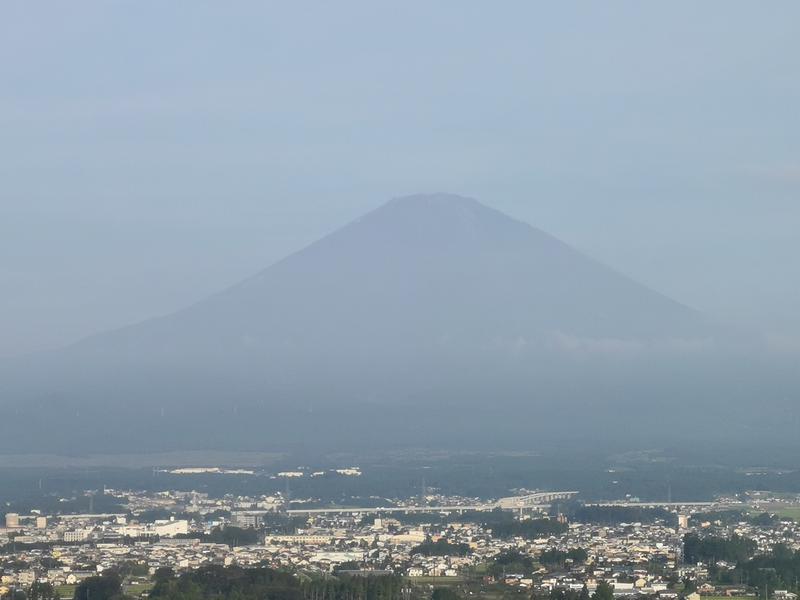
420 271
431 299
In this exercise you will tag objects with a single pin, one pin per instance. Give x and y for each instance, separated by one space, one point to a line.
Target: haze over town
399 301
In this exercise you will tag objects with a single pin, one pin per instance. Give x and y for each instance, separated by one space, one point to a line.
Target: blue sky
152 153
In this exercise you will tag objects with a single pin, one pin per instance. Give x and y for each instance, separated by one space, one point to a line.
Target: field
793 512
436 581
66 592
137 589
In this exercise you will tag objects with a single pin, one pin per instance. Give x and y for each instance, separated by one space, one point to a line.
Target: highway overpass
529 501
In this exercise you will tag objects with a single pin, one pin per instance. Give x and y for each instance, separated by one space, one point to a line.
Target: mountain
420 271
432 300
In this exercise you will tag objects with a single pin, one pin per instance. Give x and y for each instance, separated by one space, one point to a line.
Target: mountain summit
426 299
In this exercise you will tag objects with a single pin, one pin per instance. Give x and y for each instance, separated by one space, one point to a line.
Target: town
537 543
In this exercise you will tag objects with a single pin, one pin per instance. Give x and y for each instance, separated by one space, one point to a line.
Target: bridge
529 501
656 504
533 500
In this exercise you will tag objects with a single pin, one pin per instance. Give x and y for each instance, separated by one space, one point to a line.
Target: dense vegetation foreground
237 583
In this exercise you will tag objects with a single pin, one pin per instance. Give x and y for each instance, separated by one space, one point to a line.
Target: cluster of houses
635 558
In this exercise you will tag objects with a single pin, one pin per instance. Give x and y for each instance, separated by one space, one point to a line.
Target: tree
557 594
350 565
614 515
137 569
104 587
42 591
711 549
577 555
262 583
163 574
504 527
604 591
558 557
445 593
441 547
511 561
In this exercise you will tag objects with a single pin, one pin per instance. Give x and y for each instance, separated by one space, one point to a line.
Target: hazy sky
154 152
